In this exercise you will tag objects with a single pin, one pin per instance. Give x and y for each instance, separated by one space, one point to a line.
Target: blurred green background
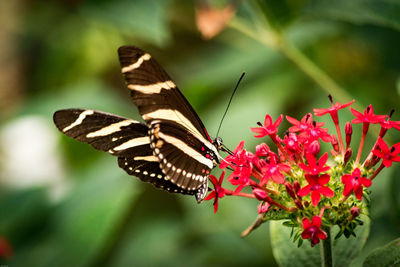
64 204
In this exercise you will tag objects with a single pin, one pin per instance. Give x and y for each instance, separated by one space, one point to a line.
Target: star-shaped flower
315 167
218 192
313 230
355 183
333 110
316 188
305 123
367 117
388 155
274 170
268 128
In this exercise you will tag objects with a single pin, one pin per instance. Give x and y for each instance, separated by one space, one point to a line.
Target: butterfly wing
125 138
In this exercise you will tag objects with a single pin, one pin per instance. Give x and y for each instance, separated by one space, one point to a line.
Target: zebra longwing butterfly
172 150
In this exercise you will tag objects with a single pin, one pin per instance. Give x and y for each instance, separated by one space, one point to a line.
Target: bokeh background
64 204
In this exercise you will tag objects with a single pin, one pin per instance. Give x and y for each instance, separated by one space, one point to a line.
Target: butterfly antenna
230 100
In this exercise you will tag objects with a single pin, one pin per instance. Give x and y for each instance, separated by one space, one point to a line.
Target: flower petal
316 221
326 191
315 197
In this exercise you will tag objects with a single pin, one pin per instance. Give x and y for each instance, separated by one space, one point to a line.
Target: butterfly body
171 150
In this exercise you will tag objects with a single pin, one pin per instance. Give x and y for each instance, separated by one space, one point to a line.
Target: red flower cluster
291 176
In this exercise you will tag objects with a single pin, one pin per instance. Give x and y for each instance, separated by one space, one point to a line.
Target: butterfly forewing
154 92
116 135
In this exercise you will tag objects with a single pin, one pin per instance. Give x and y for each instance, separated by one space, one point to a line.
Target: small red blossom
316 188
313 230
269 128
263 207
315 132
292 144
388 155
274 170
305 123
218 192
230 158
367 117
388 124
262 150
241 162
332 110
355 183
315 167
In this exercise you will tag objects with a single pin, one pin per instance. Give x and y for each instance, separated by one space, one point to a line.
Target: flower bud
298 204
348 129
335 143
289 189
263 207
314 147
347 156
355 212
260 194
296 186
371 161
306 203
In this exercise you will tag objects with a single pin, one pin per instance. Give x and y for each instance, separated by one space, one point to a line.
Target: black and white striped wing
125 138
178 137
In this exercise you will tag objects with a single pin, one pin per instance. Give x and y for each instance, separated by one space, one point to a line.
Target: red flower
315 132
387 124
313 230
292 144
386 154
263 207
332 110
218 192
316 188
355 182
315 167
274 171
231 158
269 128
262 150
305 123
367 117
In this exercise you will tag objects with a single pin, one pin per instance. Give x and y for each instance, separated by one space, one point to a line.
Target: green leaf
377 12
388 255
287 253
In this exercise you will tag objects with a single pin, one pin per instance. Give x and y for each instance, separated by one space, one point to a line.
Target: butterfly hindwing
150 172
183 158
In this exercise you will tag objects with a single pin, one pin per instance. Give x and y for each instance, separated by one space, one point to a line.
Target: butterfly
171 150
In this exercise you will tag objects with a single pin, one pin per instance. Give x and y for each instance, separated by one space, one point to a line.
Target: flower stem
360 149
340 138
326 250
377 171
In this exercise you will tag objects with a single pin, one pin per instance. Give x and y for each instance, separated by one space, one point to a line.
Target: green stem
326 250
